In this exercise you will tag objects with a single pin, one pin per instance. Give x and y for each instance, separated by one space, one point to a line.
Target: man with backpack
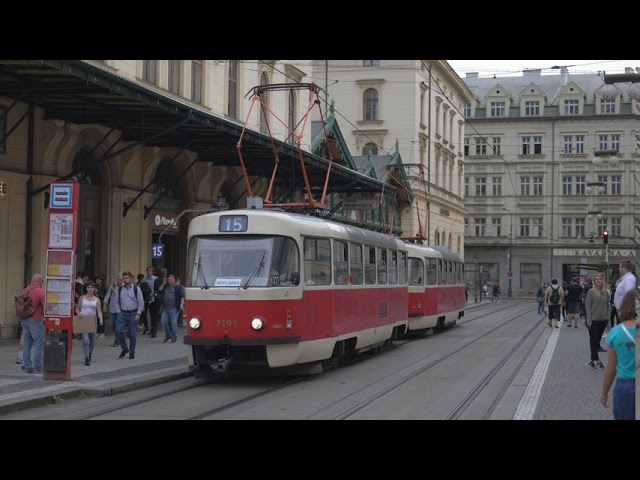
33 325
129 306
553 297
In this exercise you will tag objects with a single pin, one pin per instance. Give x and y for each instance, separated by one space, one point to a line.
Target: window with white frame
371 63
536 227
603 179
615 142
537 186
496 186
537 145
572 107
616 182
580 144
196 80
498 109
497 143
480 226
567 223
616 226
264 80
531 108
497 226
566 185
466 227
603 142
481 146
481 186
232 89
526 145
150 70
524 186
174 76
467 110
581 184
370 148
580 228
567 143
370 99
602 225
466 147
466 186
607 106
524 227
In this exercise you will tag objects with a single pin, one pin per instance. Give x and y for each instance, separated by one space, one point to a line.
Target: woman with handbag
89 305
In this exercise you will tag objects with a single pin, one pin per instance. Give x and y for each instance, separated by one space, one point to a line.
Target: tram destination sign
359 203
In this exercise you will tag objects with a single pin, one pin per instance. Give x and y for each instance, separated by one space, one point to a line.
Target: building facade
415 108
551 163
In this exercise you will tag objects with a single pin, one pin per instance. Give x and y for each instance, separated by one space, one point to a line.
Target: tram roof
78 92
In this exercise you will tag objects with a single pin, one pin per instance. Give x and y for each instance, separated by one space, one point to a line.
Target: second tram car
272 290
436 288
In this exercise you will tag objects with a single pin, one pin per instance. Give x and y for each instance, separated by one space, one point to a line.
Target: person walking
90 305
596 305
146 296
113 311
101 292
621 362
33 327
573 299
627 282
129 306
553 298
540 297
156 305
172 305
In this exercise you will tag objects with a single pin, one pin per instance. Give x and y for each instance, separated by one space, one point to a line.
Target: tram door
90 230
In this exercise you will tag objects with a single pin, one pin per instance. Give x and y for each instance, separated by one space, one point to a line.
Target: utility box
55 356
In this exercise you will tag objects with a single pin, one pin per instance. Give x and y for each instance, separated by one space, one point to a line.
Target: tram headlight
195 323
257 323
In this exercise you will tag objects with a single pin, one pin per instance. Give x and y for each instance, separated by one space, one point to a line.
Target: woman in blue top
622 362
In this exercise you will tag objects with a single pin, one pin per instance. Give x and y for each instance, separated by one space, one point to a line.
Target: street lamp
510 273
477 282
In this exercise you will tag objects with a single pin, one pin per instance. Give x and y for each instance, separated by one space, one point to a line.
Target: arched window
232 89
164 183
371 104
370 149
89 173
291 118
264 80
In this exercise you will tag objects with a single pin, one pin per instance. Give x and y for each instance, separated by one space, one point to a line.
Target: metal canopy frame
78 92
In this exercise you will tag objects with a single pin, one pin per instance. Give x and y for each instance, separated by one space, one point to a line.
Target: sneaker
100 335
37 372
19 361
600 349
115 344
87 362
592 364
575 326
174 340
599 365
166 339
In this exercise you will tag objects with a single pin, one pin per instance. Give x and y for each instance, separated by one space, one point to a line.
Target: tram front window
242 261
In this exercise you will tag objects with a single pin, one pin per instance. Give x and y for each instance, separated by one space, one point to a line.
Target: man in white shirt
627 282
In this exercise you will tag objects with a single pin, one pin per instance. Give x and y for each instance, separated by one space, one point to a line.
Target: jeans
127 319
88 342
112 322
541 306
170 322
624 399
33 338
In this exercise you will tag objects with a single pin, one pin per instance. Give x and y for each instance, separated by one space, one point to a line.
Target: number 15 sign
157 251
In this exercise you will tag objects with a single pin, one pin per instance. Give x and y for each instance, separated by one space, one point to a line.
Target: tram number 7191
226 323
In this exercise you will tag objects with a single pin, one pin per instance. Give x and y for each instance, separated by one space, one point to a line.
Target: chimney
472 80
531 76
564 76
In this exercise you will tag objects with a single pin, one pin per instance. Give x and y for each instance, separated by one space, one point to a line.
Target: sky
505 68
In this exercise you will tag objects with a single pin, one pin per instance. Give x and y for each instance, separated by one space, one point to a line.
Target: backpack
554 298
146 291
24 307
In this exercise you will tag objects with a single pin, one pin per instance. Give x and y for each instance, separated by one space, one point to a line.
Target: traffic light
591 238
605 236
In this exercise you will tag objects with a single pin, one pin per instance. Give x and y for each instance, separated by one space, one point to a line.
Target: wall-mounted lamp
610 156
590 188
597 214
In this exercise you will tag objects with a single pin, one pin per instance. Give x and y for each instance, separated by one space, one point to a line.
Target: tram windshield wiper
256 272
200 272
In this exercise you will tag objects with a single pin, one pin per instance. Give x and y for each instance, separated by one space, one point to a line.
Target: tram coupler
222 366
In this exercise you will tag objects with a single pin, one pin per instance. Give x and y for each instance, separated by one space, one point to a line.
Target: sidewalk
155 362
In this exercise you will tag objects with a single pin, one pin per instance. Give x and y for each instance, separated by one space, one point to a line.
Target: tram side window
317 261
369 265
440 272
341 263
284 262
393 266
402 268
355 264
415 271
382 266
432 277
